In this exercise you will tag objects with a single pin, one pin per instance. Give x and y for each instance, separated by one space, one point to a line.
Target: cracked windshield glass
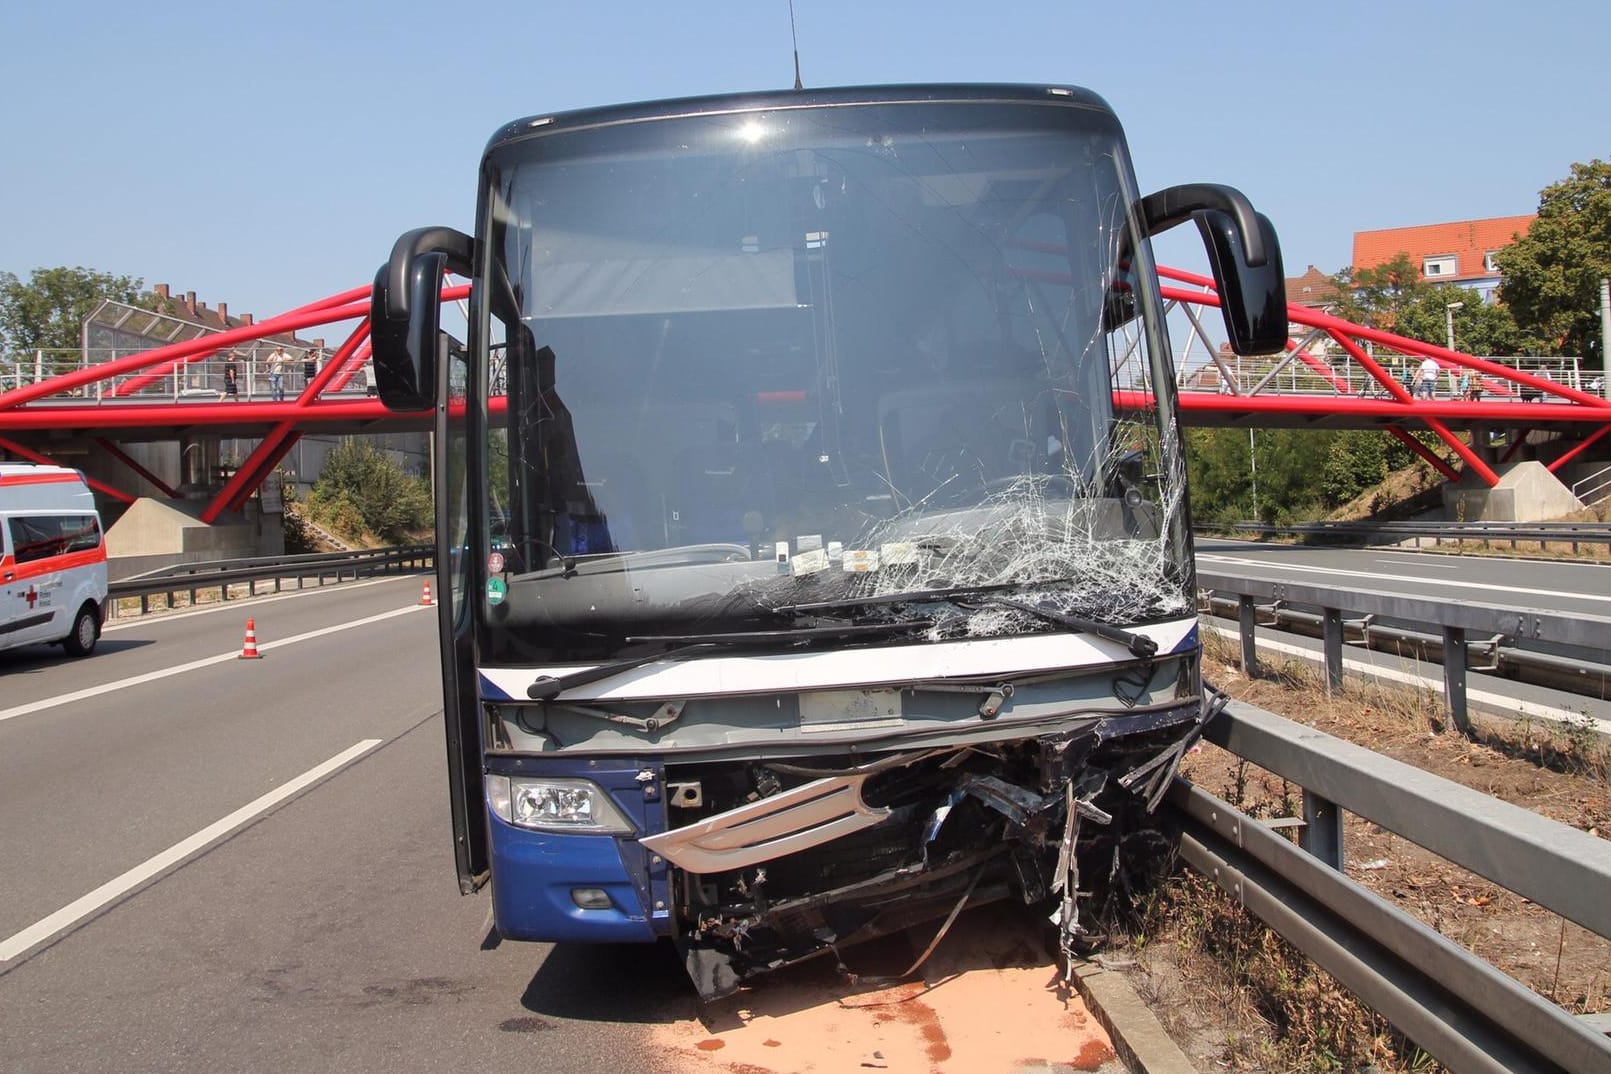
762 361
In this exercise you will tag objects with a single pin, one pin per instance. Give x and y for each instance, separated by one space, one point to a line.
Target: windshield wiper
1139 645
548 687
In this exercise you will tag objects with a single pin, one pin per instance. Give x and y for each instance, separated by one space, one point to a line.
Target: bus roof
804 98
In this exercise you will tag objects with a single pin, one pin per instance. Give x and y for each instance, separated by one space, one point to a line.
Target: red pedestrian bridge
1333 374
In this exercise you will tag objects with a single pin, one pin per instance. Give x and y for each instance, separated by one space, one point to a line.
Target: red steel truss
118 395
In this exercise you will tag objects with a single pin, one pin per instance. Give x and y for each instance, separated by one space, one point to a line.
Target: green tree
361 487
1394 298
1301 474
1553 273
48 310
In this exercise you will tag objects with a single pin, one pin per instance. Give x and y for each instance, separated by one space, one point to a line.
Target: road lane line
1446 582
81 908
180 669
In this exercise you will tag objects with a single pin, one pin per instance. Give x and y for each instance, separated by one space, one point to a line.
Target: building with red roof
1461 252
1313 289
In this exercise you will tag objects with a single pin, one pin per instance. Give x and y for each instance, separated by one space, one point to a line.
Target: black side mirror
1252 298
405 312
1244 253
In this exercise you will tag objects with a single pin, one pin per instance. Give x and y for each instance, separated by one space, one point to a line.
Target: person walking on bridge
278 362
232 372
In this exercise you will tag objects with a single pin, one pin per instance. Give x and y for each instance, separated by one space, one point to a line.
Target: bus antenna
796 37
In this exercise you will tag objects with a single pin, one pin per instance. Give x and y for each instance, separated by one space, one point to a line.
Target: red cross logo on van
31 596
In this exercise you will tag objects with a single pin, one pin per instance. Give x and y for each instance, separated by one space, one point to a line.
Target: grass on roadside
1220 978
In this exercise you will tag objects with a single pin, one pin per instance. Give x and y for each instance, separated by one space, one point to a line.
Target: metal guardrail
1495 625
220 575
1463 1011
1572 533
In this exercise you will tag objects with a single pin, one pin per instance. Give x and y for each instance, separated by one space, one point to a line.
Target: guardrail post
1332 628
1322 833
1454 677
1247 614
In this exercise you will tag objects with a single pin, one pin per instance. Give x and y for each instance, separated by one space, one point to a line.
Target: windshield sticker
810 562
899 553
861 560
495 563
497 589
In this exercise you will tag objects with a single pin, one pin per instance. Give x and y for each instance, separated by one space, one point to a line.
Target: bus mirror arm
1243 251
1163 209
455 246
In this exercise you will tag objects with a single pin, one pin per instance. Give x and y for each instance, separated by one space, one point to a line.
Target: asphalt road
324 933
1554 584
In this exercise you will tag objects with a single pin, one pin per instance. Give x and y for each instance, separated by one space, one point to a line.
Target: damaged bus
811 511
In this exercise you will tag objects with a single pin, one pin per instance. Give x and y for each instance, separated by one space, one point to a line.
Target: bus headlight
556 805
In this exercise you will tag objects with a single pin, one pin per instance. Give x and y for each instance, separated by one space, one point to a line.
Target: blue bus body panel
533 873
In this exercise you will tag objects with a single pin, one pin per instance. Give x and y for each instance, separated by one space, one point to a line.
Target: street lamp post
1448 317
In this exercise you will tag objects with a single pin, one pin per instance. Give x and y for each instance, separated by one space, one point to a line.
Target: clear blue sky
268 157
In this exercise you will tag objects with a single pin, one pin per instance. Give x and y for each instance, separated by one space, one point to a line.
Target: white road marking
1375 577
81 908
180 669
1409 678
237 602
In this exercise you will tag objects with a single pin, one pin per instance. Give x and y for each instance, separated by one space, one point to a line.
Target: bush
362 491
298 538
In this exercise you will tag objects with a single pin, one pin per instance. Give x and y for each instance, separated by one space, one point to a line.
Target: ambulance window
81 532
37 537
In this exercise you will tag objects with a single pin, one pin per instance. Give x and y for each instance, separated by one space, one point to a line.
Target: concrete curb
1138 1037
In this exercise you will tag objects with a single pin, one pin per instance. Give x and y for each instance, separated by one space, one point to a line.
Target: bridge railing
219 576
1459 1008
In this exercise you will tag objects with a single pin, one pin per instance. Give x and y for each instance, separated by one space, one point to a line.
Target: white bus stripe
81 908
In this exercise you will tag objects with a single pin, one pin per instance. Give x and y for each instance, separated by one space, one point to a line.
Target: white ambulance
52 559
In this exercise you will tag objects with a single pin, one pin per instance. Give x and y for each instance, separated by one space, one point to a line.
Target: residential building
1462 252
1313 289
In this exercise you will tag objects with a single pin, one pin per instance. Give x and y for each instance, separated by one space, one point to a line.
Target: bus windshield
771 358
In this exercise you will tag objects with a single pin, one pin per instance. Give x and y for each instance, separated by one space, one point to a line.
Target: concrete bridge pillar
1482 444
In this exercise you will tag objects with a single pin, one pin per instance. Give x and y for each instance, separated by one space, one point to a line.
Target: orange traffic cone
425 597
249 648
